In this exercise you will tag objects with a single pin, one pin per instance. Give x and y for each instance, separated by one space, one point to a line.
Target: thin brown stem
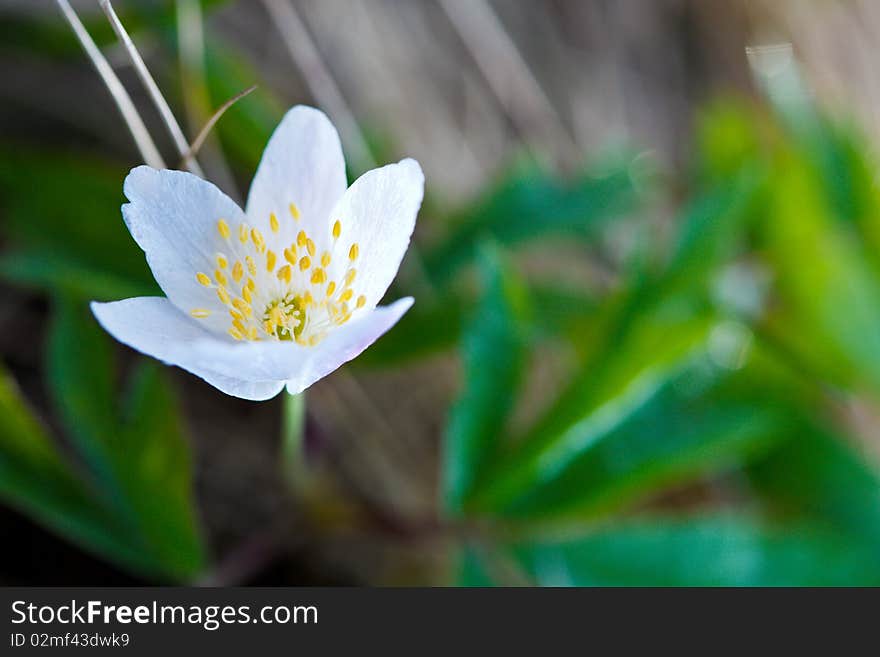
205 131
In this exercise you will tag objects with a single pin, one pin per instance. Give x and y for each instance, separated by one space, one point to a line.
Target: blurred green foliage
720 550
703 436
133 446
125 491
494 359
729 363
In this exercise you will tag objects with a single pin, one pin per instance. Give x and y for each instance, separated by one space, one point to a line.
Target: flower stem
293 428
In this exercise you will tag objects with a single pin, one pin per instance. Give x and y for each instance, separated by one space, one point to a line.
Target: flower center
285 318
289 297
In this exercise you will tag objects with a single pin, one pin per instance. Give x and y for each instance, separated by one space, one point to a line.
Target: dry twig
123 101
140 68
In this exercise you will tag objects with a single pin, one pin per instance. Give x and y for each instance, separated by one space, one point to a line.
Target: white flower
283 293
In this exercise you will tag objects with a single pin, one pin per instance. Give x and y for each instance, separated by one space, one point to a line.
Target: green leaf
247 125
829 298
560 309
80 373
713 227
531 204
471 569
848 170
36 480
643 346
65 211
436 324
695 423
728 139
137 454
154 468
712 551
54 272
818 476
493 354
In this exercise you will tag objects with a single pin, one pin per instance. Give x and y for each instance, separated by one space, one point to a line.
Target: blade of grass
123 101
173 126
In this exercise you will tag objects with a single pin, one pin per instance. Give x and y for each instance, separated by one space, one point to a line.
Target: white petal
303 165
173 217
153 326
347 343
300 366
378 213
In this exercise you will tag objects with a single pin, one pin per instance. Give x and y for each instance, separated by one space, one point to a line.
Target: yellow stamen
222 262
251 285
273 222
284 274
246 294
203 279
353 252
301 238
252 268
276 316
243 233
270 260
345 296
331 288
310 246
235 314
294 211
325 259
235 334
290 255
349 276
199 313
361 302
218 275
259 242
318 276
223 229
304 263
243 307
238 325
237 271
337 229
223 295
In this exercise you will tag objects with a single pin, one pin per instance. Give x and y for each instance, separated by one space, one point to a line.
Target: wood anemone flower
282 293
